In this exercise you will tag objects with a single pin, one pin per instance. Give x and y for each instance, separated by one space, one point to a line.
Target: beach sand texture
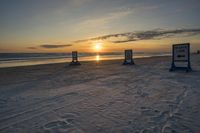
104 97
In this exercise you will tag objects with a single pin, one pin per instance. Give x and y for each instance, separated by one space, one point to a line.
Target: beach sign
128 57
75 58
181 56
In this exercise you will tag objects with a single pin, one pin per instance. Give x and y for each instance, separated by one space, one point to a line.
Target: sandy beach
101 97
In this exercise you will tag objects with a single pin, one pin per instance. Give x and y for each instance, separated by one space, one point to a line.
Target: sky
98 25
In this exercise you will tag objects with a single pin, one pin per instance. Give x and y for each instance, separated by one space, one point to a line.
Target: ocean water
25 59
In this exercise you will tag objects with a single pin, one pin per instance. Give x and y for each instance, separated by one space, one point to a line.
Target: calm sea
25 59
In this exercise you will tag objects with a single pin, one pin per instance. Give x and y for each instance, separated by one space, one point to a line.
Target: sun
98 47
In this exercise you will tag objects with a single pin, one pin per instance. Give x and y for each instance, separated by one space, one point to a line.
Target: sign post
181 54
128 57
75 58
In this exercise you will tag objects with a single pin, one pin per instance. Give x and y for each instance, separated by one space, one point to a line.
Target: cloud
156 34
55 45
32 47
103 20
50 46
143 35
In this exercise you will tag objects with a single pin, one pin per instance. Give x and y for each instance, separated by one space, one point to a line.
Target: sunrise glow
97 26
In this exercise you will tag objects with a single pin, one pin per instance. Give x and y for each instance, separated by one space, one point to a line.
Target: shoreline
22 72
83 61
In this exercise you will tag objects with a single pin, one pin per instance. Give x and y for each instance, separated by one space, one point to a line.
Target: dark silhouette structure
75 58
128 57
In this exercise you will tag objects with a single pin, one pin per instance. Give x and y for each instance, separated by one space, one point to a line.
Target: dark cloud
32 48
54 46
143 35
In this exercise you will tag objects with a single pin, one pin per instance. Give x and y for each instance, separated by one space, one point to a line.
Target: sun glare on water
97 57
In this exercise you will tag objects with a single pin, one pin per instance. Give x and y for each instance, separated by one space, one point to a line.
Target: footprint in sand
171 127
147 111
141 93
69 117
66 124
150 130
161 117
57 126
168 129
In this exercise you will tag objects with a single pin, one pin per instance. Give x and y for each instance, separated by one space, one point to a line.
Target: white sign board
181 55
181 52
